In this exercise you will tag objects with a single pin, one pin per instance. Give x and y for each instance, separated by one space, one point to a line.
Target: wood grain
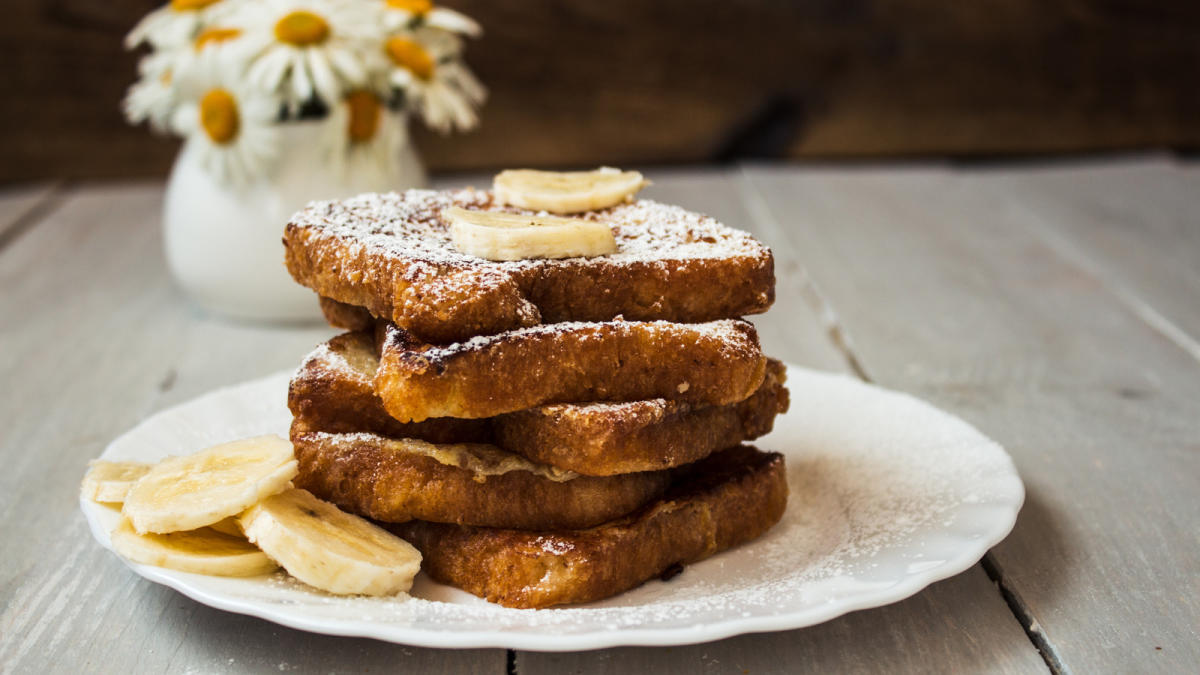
577 82
955 626
17 203
1133 224
99 339
947 290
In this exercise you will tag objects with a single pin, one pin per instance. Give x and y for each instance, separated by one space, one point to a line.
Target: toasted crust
391 254
730 498
346 317
332 391
610 439
386 480
714 363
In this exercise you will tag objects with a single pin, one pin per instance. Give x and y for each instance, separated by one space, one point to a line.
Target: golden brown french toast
605 439
333 391
346 317
714 363
392 255
475 484
726 499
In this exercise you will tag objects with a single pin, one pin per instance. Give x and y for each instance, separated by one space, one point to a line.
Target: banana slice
202 551
229 526
185 493
508 236
110 481
567 191
328 548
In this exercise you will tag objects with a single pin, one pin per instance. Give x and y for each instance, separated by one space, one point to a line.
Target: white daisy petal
401 78
347 65
324 80
268 71
448 19
301 86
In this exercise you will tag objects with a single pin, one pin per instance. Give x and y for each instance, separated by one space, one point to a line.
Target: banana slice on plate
495 235
109 482
201 551
329 549
186 493
567 191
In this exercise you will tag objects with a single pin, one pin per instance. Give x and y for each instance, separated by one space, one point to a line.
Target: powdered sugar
409 225
734 334
480 459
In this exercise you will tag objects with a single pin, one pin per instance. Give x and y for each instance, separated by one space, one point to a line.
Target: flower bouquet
225 74
281 102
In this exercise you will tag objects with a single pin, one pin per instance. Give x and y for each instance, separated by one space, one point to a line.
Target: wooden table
1055 307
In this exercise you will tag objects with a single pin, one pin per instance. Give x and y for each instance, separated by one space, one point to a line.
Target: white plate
888 495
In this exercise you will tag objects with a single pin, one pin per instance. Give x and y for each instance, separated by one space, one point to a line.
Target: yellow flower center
214 35
219 116
191 5
302 28
364 115
408 54
417 7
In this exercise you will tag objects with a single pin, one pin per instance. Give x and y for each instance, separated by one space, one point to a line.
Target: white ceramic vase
224 242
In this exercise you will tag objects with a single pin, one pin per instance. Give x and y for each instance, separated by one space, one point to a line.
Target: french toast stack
549 417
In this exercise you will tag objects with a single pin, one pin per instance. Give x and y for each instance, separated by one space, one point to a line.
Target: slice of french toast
346 317
714 363
727 499
395 480
333 391
392 255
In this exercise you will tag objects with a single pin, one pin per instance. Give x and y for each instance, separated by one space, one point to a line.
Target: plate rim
547 640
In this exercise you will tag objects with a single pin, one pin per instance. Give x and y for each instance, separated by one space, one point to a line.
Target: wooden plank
1132 224
97 338
949 292
678 80
955 626
960 625
17 202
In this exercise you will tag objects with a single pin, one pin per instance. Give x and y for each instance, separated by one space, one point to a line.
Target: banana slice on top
109 482
567 191
495 235
202 551
186 493
327 548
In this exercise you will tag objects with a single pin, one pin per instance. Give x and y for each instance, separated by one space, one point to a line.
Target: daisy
152 98
364 135
231 126
413 14
218 43
426 65
307 47
174 24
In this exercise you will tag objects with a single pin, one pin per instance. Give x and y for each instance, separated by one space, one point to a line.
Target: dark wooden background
580 82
